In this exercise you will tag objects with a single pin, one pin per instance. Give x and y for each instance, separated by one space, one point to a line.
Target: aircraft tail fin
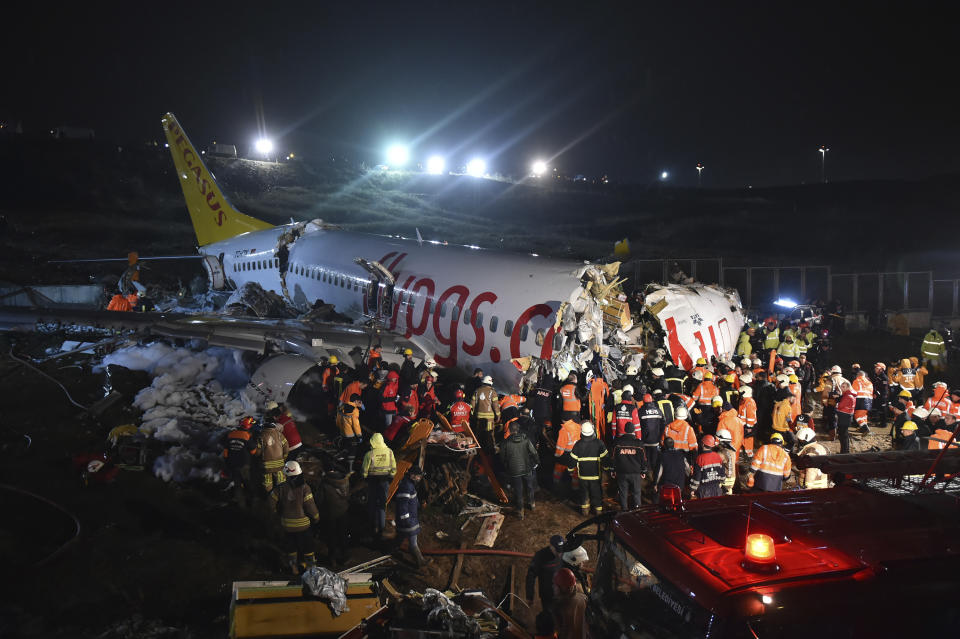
214 218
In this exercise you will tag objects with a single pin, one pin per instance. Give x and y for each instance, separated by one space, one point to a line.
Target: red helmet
709 441
459 394
564 579
648 398
247 423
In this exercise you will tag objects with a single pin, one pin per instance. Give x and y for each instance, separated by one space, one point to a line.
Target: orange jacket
748 411
772 459
862 387
940 438
511 400
782 419
351 389
599 391
939 400
568 397
119 303
798 394
705 393
682 435
731 422
568 436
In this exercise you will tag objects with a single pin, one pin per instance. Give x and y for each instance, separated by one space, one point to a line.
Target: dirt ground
156 560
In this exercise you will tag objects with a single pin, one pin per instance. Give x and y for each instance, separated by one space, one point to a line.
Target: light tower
699 174
823 163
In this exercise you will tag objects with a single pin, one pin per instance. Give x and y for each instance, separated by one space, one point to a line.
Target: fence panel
918 291
708 271
737 278
761 281
817 283
943 301
868 292
843 286
647 271
790 284
893 284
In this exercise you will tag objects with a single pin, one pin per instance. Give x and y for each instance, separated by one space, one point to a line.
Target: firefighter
587 454
938 440
674 466
726 451
379 467
630 465
811 477
540 572
568 436
863 389
569 399
273 453
240 446
626 412
459 413
708 471
675 378
294 502
406 506
348 421
598 402
846 407
682 435
770 466
933 350
486 408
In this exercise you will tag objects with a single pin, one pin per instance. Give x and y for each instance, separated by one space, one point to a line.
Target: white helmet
487 380
657 372
429 363
921 413
724 435
789 371
806 435
783 380
631 371
628 388
746 391
698 375
935 411
292 469
576 557
270 406
835 370
434 374
746 378
587 429
682 412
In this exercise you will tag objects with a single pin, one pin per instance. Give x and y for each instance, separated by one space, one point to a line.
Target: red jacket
290 431
390 392
459 414
847 402
398 424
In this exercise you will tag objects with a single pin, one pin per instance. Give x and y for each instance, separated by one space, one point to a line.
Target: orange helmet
709 441
247 423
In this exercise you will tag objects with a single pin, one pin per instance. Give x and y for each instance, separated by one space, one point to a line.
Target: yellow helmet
707 375
776 438
333 360
408 351
908 426
716 401
729 377
905 393
701 361
794 379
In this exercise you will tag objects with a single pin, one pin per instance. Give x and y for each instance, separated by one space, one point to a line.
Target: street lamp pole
699 174
823 163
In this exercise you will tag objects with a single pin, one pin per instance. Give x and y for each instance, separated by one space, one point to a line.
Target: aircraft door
214 267
379 293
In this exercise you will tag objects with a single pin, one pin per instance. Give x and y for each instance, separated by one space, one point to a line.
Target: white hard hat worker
724 435
487 380
628 388
657 372
836 370
631 371
292 469
587 429
746 378
746 391
682 412
698 375
806 435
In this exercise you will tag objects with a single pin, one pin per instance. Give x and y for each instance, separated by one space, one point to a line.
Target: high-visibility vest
771 459
570 403
940 438
933 345
788 350
705 393
862 387
568 436
748 412
682 435
509 401
771 339
939 400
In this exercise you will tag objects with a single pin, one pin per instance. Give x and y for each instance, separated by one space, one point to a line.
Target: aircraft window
343 281
261 264
557 341
443 310
456 313
494 320
508 328
524 330
539 338
478 320
466 317
245 265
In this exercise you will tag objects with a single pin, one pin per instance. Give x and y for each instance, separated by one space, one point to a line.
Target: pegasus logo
193 165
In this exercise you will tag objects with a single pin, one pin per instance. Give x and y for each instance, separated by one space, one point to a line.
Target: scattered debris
487 535
253 299
327 586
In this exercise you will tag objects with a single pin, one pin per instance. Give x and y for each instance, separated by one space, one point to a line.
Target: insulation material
327 586
487 535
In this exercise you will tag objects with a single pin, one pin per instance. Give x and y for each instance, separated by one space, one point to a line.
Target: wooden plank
457 567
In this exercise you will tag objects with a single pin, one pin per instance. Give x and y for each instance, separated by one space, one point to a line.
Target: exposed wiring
76 522
515 596
52 379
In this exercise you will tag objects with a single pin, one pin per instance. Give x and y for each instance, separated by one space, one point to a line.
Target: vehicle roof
837 532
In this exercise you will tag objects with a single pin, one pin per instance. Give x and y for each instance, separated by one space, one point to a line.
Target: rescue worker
674 467
568 436
782 410
543 566
629 465
938 440
846 406
807 375
569 607
681 433
237 453
771 335
652 425
908 437
375 357
389 397
787 348
811 477
747 412
933 350
730 421
520 460
729 388
473 384
708 471
397 433
743 343
863 389
379 467
510 411
587 454
665 404
793 385
881 392
486 408
703 396
541 402
625 413
273 453
675 378
459 413
726 451
293 500
409 372
598 403
353 388
569 399
333 502
713 416
770 466
279 414
906 378
939 398
119 303
406 507
348 421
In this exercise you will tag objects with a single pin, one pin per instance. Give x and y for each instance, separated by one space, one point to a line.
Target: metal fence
899 291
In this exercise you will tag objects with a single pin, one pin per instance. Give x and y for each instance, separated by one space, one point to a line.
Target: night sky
751 90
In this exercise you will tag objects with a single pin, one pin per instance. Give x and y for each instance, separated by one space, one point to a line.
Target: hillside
71 199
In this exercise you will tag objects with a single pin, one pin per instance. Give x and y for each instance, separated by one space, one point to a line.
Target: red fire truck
850 561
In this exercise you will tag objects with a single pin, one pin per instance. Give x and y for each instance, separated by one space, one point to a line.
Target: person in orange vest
119 303
942 435
730 421
680 431
747 412
939 399
568 436
770 466
793 385
459 412
133 299
598 397
353 388
703 396
375 357
569 399
862 387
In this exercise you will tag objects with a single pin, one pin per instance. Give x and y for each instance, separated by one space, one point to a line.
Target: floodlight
436 164
539 168
786 303
476 167
664 175
397 155
264 146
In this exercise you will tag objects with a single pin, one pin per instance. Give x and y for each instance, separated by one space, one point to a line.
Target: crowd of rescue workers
722 427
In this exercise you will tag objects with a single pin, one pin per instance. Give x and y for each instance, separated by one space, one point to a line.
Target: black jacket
588 454
674 468
518 454
628 455
543 567
651 423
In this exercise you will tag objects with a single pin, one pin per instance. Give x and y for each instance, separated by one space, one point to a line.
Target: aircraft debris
252 299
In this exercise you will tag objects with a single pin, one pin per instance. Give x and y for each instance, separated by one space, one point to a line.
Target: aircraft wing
311 339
